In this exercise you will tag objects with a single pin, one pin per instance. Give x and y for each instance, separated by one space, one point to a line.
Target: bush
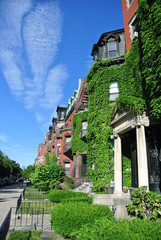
145 204
69 217
104 229
67 196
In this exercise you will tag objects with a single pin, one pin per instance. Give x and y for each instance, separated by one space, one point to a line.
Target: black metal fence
19 200
30 218
5 226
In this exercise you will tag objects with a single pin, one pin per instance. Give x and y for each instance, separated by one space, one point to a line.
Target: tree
47 176
27 171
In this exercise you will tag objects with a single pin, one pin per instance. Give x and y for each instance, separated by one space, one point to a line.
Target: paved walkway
8 199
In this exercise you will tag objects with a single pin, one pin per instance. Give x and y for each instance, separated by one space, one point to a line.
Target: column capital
114 136
139 121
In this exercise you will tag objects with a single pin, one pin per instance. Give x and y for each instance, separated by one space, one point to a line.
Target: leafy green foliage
139 82
126 167
145 204
47 176
78 145
103 229
69 217
149 15
28 171
47 158
100 109
8 166
66 196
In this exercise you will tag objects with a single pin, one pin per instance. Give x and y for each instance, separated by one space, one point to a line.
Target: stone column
117 164
143 179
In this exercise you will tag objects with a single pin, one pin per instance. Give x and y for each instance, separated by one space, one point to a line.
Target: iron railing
5 226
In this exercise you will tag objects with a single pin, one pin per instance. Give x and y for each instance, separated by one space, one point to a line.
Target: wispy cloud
30 37
3 137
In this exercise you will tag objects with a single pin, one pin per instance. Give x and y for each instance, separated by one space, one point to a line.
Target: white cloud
42 33
30 37
3 137
53 86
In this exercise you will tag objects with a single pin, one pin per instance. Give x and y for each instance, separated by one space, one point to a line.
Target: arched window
114 91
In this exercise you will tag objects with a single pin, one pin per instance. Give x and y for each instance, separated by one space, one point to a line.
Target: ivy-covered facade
139 84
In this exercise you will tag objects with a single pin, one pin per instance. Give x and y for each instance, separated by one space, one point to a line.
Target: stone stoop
116 202
86 187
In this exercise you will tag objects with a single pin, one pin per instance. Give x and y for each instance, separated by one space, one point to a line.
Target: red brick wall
127 15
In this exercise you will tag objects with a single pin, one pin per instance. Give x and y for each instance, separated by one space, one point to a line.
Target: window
61 115
129 2
114 91
58 152
67 169
84 129
111 49
133 27
84 125
67 140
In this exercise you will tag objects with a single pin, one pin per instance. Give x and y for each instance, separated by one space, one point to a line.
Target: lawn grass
25 235
36 207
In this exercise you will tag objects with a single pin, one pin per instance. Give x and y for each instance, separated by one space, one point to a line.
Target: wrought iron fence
30 218
19 200
5 226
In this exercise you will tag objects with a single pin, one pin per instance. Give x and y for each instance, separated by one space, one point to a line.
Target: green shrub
67 196
104 229
145 204
69 217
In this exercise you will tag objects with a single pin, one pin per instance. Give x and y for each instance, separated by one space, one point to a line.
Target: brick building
129 8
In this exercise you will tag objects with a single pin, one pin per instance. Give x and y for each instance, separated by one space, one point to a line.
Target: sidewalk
48 236
8 199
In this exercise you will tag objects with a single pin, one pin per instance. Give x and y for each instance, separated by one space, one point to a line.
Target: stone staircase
86 187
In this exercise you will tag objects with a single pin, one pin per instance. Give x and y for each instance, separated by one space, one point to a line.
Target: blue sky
45 47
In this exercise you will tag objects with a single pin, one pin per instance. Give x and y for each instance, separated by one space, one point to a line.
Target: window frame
112 41
113 93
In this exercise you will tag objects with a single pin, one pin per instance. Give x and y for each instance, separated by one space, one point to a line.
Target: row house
142 130
78 102
40 159
129 8
58 139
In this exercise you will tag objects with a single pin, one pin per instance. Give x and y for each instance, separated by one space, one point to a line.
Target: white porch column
143 179
117 164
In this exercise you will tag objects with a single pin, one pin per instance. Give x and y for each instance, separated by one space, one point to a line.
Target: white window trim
128 4
132 34
115 92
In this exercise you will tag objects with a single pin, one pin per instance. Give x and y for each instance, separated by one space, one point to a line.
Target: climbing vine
139 83
149 18
78 145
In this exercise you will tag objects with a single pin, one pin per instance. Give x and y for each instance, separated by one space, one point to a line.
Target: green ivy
149 15
139 82
78 145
